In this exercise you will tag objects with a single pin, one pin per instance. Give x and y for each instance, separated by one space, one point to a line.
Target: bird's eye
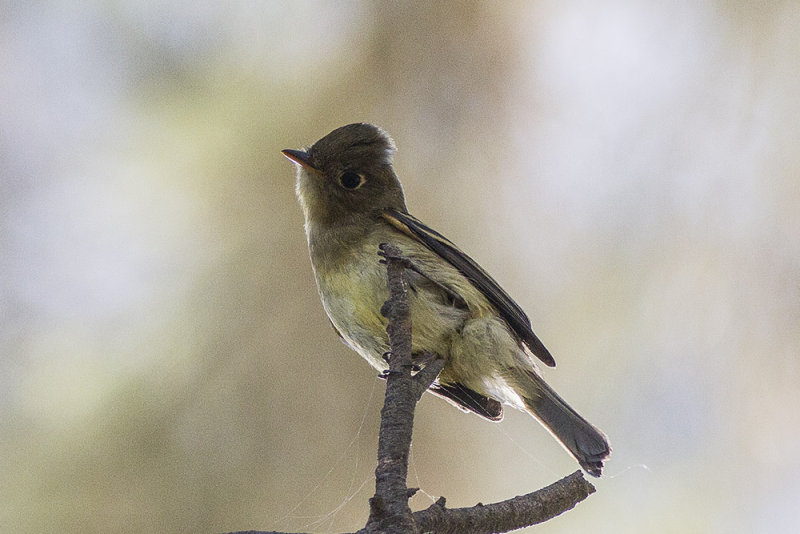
351 180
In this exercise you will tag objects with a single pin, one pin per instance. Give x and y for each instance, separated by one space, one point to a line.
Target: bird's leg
383 375
420 360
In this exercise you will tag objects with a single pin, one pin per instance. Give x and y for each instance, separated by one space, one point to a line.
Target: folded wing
505 305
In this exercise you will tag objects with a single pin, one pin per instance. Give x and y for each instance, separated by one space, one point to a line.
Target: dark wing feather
468 400
509 310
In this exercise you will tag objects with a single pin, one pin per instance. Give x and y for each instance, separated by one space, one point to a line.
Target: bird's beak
301 158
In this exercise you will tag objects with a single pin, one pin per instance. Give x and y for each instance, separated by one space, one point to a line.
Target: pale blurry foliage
628 171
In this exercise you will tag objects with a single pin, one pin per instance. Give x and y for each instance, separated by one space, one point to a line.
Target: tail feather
583 440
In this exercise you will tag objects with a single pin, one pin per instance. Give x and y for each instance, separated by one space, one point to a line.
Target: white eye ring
351 180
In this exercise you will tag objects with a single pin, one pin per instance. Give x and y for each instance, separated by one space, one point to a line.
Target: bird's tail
584 441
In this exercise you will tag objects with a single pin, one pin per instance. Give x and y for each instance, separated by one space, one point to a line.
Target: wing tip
540 351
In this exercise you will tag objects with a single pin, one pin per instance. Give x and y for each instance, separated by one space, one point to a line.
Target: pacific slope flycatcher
352 202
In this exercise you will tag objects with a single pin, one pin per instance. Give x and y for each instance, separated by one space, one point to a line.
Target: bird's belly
352 297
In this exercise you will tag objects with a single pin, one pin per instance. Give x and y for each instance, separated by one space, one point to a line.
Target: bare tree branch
519 512
389 510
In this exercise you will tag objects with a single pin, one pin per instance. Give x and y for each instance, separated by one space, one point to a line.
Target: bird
353 201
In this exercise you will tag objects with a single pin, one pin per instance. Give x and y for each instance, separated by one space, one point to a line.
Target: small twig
425 376
518 512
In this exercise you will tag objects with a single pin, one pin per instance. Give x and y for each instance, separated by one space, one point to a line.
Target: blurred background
628 172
